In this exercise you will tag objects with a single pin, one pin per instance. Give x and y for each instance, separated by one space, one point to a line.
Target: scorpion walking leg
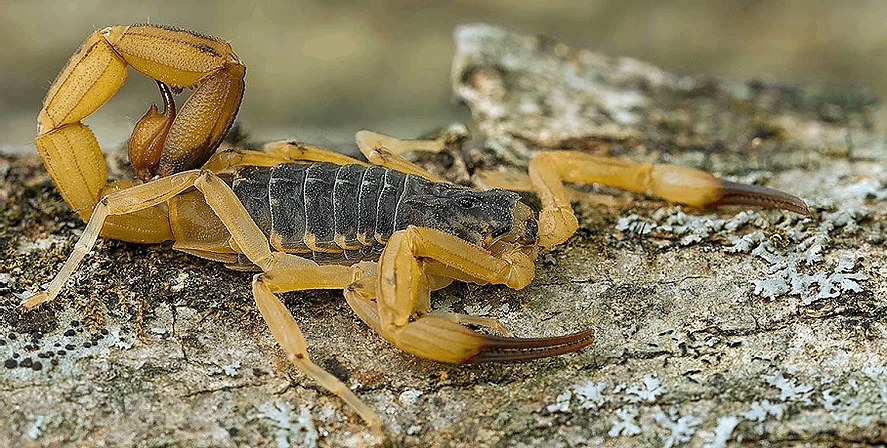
503 180
674 183
275 153
467 319
282 272
286 330
385 151
516 181
130 200
379 149
361 295
402 290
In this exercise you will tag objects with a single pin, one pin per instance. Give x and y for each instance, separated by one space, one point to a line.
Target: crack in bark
201 392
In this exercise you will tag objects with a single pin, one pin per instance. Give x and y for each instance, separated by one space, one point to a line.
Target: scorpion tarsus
502 349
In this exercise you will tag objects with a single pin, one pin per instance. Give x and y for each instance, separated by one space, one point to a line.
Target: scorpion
386 232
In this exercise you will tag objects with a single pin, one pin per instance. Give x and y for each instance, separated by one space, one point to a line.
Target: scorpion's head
524 232
493 219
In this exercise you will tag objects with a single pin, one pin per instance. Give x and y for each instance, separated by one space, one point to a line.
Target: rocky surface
713 327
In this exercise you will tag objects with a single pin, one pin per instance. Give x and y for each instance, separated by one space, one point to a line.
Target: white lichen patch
848 399
479 310
789 389
865 188
289 428
561 403
590 395
35 428
853 403
795 249
723 431
856 399
789 272
409 397
593 395
178 285
878 374
626 425
761 409
43 244
681 429
119 341
231 369
651 389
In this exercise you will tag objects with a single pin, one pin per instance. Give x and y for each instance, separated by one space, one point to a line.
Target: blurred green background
320 70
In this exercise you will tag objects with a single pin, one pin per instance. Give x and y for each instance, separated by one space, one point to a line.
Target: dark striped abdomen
335 213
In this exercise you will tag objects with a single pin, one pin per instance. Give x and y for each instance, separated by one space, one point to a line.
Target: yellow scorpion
386 232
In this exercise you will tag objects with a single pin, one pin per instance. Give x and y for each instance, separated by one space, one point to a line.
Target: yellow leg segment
287 333
275 153
401 292
674 183
514 181
282 272
134 199
385 151
380 150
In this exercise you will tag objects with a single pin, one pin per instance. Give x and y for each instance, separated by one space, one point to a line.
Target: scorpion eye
532 230
466 202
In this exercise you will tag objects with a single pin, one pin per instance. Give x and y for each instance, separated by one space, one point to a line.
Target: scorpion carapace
258 209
